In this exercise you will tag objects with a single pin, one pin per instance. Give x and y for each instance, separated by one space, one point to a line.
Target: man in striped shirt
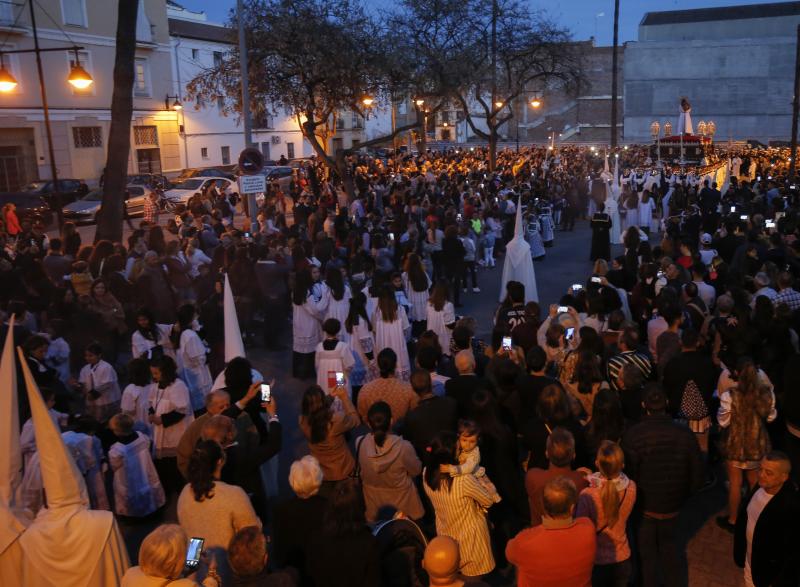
628 355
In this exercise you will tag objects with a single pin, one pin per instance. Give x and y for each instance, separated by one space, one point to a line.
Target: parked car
183 190
85 210
70 190
151 180
204 172
29 207
281 174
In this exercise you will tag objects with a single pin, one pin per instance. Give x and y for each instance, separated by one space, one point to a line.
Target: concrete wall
746 28
745 85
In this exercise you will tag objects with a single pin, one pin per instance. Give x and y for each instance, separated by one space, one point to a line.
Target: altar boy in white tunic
98 381
191 354
137 489
333 356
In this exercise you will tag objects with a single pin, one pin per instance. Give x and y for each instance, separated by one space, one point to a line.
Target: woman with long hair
417 284
307 314
744 411
441 316
608 421
150 336
102 250
585 383
358 329
392 330
191 351
344 553
209 507
170 414
388 466
325 426
460 504
608 502
338 295
71 239
553 410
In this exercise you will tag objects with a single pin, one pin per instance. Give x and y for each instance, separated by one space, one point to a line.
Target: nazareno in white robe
192 367
393 335
137 488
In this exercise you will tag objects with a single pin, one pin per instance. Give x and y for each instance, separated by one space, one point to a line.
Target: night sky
579 16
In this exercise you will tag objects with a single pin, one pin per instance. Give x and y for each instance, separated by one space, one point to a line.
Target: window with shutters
145 135
74 12
141 84
226 155
87 137
204 152
357 120
290 150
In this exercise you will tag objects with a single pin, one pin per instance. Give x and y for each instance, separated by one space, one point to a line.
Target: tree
509 51
109 220
313 59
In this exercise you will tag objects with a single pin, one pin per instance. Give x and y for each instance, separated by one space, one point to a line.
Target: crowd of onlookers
565 446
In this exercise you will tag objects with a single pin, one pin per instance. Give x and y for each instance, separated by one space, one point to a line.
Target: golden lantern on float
655 129
668 129
711 128
701 128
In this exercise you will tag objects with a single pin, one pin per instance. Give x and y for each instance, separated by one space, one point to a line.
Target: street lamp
79 78
176 105
7 81
499 104
536 103
367 101
419 102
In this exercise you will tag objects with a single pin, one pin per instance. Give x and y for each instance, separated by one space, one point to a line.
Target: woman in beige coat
388 467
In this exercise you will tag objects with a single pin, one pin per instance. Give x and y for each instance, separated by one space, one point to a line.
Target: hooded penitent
518 264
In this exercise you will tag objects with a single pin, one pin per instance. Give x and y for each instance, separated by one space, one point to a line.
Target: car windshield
188 184
35 186
93 196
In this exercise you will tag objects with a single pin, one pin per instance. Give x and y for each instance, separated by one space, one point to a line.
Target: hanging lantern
668 129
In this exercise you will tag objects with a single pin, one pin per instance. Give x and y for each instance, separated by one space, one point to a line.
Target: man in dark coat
432 415
766 541
663 458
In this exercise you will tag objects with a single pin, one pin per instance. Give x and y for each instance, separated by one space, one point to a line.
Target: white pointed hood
518 265
234 347
615 187
12 522
63 483
66 541
726 184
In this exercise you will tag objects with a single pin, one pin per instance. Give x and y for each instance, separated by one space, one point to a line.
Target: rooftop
201 31
748 11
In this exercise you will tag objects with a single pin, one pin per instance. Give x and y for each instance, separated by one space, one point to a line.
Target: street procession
348 293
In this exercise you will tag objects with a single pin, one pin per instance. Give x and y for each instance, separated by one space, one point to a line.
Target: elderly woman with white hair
299 517
162 561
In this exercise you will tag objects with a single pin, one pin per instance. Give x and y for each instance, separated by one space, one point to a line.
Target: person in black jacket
766 541
692 365
663 458
299 517
432 415
462 386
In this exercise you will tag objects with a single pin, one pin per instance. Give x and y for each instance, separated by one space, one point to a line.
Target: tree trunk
343 170
492 148
109 222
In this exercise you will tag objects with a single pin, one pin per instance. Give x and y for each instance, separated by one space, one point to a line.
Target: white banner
252 184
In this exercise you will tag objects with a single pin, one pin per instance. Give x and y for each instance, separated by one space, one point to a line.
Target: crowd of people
562 450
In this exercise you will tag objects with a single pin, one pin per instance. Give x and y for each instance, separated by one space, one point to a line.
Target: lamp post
176 105
655 132
78 78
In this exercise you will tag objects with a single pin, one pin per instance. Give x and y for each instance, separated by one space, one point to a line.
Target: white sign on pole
252 184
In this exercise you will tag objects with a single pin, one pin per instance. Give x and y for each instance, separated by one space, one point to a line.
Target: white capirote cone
67 544
234 347
518 265
726 184
12 520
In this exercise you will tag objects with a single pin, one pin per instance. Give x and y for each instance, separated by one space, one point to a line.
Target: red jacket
12 223
554 556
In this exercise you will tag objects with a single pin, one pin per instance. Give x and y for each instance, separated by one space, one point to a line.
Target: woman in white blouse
441 316
307 315
417 285
191 354
170 413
